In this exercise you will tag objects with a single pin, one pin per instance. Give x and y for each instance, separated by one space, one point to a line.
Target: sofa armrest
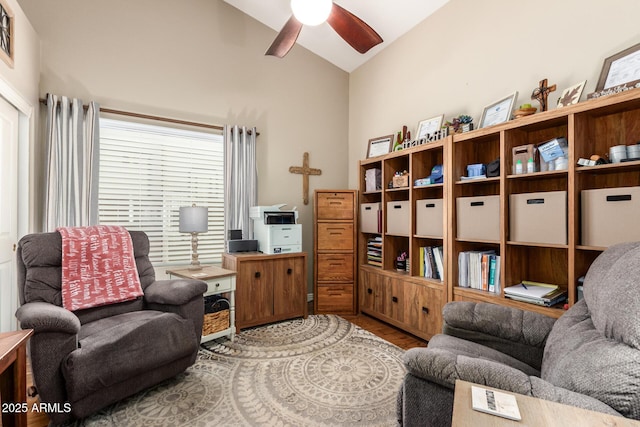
45 317
174 292
442 367
519 333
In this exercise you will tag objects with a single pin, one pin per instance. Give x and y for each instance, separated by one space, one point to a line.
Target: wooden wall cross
541 93
305 171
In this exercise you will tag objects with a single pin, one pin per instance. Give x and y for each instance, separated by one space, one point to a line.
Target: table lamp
193 219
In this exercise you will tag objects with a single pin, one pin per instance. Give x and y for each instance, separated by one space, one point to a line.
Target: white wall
472 53
203 60
22 80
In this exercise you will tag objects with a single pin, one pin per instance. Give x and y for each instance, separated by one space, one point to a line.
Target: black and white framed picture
6 33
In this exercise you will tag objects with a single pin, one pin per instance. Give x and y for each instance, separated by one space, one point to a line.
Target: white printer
276 230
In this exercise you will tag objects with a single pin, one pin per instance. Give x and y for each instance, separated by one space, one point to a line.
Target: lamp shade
194 219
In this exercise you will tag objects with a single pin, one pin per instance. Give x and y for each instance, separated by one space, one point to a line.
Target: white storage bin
478 218
538 217
370 216
429 217
398 218
610 216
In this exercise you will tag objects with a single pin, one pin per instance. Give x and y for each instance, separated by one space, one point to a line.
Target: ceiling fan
348 26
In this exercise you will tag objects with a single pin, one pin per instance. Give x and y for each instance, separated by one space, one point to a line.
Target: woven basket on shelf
215 322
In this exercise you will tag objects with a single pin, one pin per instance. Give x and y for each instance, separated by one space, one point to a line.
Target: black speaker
235 234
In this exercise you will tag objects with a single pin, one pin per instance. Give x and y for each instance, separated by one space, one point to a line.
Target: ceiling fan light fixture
311 12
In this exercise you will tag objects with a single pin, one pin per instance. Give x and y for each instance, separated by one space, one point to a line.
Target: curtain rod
151 117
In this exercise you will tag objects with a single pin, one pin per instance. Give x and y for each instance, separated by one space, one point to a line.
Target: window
147 172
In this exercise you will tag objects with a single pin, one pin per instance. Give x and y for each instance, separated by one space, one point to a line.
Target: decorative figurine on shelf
541 94
462 123
401 261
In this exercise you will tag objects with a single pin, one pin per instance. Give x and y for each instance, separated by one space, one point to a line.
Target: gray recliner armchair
589 357
85 360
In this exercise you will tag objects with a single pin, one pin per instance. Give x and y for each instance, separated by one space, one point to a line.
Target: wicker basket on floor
215 322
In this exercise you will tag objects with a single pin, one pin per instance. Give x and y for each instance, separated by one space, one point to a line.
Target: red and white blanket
98 267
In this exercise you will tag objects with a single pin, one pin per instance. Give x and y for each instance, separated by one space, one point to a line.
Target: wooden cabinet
398 293
269 288
335 228
408 303
590 127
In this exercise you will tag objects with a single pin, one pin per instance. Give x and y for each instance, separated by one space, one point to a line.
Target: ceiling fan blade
353 29
286 38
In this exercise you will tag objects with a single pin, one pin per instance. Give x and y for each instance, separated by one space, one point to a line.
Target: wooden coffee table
534 412
13 377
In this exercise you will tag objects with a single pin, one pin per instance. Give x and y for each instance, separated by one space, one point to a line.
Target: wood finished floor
381 329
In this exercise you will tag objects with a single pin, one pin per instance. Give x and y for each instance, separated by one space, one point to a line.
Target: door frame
25 170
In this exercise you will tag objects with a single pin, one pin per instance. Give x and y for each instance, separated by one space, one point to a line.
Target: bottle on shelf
518 167
531 167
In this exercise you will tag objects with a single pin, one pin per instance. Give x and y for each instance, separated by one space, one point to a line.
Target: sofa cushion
116 348
612 291
40 259
580 358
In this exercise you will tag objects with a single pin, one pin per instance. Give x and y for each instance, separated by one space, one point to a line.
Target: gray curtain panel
72 137
241 178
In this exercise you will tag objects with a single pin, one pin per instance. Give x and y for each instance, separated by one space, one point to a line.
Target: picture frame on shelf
621 69
428 127
499 111
379 146
571 95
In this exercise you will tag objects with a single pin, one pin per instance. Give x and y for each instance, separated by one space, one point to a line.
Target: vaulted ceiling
390 18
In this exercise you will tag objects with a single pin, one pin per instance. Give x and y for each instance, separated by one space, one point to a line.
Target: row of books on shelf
479 270
431 264
536 293
374 251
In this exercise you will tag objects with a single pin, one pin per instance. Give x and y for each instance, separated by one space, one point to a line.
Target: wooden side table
13 377
219 281
534 412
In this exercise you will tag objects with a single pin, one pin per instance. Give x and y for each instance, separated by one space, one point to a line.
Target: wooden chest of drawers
335 229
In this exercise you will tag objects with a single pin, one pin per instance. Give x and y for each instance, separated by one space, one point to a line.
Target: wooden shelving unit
590 127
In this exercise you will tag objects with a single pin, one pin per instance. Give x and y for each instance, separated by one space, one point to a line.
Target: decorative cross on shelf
305 171
541 93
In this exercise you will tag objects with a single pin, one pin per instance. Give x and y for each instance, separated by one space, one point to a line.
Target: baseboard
310 297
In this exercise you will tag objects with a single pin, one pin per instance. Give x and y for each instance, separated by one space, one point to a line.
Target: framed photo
6 33
571 95
428 127
620 69
380 146
499 111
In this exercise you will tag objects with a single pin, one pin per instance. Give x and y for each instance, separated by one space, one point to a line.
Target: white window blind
148 172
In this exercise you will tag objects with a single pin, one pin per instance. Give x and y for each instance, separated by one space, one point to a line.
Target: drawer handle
535 201
394 299
430 205
217 285
289 271
397 206
477 203
619 198
257 275
425 310
369 290
336 264
368 208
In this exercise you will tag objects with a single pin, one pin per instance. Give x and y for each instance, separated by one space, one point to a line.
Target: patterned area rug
319 371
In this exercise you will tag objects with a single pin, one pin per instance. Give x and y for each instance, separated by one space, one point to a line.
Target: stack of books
431 263
536 293
374 251
479 270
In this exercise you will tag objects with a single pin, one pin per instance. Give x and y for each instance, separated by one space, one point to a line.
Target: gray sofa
85 360
589 357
